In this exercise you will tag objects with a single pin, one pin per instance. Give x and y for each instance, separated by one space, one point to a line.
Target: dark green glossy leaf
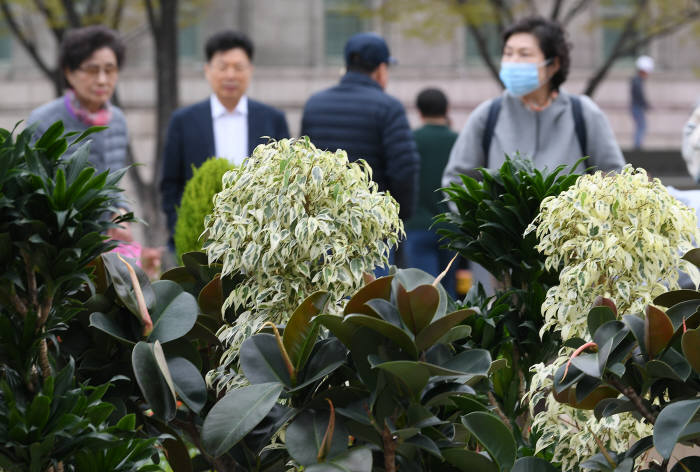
495 436
236 415
152 381
109 325
395 334
671 422
674 297
305 434
188 382
174 312
262 362
417 307
598 316
439 328
357 459
532 464
469 461
687 464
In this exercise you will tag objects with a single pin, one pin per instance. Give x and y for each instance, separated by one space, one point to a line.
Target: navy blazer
190 141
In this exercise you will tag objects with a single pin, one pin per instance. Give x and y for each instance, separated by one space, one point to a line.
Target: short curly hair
552 40
79 44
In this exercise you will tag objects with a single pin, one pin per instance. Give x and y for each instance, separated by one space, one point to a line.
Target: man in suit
227 124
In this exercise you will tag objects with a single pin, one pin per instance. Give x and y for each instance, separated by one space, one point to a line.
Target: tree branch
117 15
152 20
28 45
51 20
634 398
661 31
556 10
574 10
73 17
627 32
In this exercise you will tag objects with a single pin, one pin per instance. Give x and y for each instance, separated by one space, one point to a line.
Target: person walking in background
90 59
638 100
434 141
690 144
227 124
533 116
359 117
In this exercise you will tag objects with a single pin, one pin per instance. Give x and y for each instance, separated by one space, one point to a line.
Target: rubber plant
392 387
648 365
295 220
196 203
158 338
52 224
621 237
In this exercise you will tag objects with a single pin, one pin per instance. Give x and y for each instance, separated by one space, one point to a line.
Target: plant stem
18 304
630 393
389 450
44 359
499 412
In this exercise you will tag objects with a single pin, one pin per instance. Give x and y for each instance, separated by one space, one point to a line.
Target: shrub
620 237
197 203
295 220
52 226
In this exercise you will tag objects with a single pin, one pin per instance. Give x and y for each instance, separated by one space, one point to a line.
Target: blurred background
450 44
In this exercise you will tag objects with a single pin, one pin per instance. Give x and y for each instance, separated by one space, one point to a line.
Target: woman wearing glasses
533 116
89 58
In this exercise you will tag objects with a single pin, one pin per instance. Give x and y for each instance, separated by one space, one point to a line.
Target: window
5 46
489 31
614 15
188 42
340 24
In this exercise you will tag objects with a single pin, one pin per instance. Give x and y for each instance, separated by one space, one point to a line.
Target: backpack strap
491 119
579 124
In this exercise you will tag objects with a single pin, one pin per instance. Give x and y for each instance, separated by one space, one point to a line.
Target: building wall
292 62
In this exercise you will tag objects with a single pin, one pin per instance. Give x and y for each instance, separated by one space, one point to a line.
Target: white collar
218 109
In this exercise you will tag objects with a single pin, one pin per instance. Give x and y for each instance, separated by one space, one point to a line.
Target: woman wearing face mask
533 116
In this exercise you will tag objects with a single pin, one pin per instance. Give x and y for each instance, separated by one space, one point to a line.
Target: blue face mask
520 78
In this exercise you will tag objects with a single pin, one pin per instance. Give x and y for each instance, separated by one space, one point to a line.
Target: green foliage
386 380
618 239
488 227
197 202
295 220
644 365
161 369
52 222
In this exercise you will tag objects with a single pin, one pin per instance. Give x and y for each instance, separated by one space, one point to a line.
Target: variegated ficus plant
294 220
620 237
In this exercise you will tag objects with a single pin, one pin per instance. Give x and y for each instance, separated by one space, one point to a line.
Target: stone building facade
298 51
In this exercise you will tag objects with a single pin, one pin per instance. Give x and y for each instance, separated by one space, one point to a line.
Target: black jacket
190 141
357 116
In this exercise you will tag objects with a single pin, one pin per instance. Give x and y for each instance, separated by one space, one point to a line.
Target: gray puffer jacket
107 148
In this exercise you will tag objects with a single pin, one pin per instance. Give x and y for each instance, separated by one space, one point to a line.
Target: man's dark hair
432 103
357 64
79 44
227 40
552 40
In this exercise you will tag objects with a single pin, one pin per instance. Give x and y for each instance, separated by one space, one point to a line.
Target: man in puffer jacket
358 116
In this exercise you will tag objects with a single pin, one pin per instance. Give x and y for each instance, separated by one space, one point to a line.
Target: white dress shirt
230 130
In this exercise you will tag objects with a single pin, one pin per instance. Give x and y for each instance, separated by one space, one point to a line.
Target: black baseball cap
371 48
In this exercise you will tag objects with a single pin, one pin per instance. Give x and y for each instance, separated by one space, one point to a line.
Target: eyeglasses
94 70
